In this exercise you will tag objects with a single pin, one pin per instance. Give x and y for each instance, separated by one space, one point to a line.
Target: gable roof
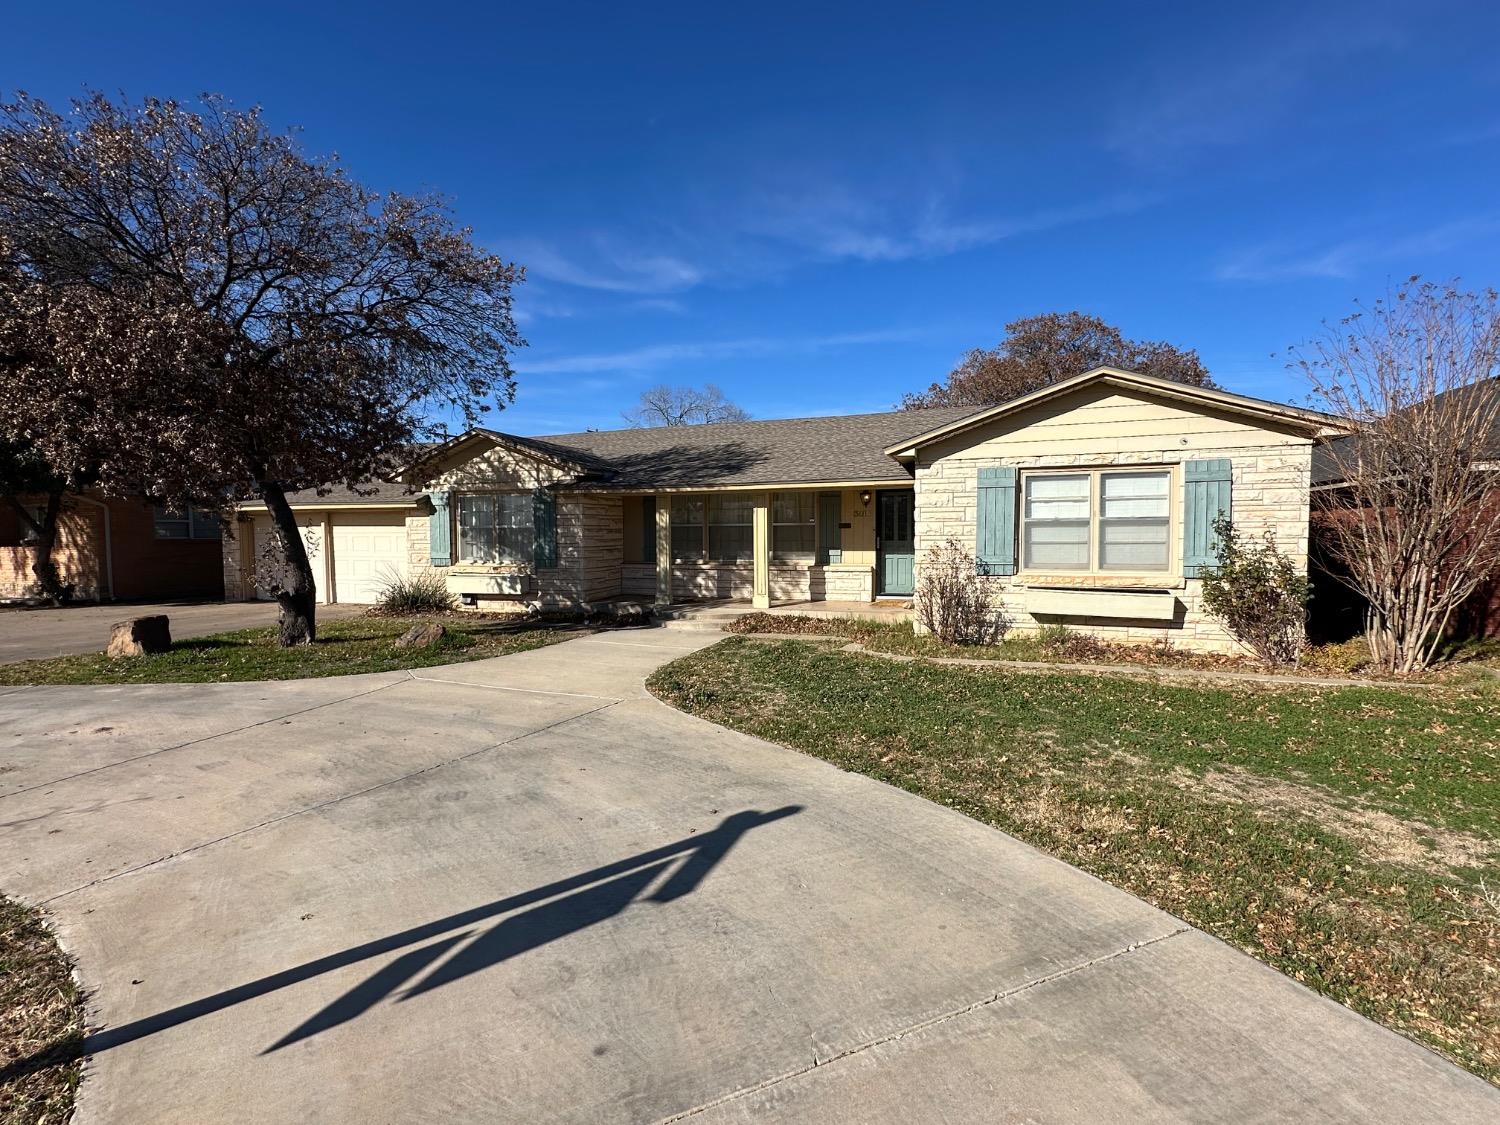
821 450
1313 421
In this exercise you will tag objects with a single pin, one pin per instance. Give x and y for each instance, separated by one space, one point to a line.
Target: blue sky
820 207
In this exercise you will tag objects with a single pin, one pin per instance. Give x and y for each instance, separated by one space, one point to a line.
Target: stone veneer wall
1269 490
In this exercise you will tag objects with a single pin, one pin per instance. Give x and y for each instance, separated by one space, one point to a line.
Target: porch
837 551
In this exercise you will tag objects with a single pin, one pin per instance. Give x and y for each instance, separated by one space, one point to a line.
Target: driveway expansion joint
198 741
923 1025
328 803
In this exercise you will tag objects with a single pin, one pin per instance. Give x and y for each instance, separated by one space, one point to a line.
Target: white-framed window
193 523
794 527
496 527
1106 521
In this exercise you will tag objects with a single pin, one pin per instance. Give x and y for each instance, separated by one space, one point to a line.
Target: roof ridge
700 426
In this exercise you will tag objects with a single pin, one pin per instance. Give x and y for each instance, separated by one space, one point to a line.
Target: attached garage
369 549
356 544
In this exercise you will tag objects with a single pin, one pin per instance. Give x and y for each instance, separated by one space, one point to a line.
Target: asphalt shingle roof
844 447
1326 458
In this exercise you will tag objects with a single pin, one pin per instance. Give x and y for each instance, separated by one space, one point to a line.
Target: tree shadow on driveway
547 913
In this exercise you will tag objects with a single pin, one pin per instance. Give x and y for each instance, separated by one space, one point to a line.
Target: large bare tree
662 405
1041 350
1413 520
193 304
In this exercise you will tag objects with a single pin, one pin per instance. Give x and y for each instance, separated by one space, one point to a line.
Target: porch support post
761 598
663 549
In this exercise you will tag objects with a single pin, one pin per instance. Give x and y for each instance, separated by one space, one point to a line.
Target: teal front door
895 542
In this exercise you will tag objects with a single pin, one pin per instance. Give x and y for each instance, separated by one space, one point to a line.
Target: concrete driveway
28 633
522 890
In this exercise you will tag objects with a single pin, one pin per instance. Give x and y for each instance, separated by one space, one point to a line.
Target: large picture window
1103 521
794 527
495 527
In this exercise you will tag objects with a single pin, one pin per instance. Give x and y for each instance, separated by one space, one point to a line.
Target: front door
895 542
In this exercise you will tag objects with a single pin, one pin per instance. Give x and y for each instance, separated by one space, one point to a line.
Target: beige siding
1271 470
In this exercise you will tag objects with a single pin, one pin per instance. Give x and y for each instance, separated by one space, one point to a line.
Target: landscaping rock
139 636
423 635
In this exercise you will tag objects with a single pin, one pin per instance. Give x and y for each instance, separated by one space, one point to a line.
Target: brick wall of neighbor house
76 552
1270 472
145 567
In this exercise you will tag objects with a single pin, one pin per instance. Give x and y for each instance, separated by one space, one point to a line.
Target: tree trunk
296 593
49 582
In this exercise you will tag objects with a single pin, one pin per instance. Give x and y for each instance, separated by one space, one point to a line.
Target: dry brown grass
41 1022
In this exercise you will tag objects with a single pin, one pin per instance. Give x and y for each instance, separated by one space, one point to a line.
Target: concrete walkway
32 633
522 890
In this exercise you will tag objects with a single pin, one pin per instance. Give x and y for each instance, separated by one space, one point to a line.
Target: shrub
952 603
1338 659
421 593
1061 643
1258 594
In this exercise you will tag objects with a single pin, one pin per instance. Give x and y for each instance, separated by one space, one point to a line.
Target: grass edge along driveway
1345 836
41 1018
345 647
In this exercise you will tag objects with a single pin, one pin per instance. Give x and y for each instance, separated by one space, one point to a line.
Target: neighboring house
1089 503
112 549
1338 611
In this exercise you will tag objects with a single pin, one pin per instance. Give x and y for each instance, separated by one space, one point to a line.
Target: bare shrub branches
1414 521
952 602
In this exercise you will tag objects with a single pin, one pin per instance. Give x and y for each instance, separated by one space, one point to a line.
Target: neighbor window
495 527
794 527
1102 520
194 523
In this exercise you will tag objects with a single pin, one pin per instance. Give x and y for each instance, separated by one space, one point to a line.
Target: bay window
1097 521
495 527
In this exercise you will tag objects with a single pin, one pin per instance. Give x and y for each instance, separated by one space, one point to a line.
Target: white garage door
369 549
311 524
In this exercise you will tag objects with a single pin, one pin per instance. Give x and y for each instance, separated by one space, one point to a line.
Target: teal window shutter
997 520
830 536
1207 483
440 529
648 529
544 526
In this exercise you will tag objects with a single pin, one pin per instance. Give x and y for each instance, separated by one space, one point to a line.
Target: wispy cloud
768 232
1219 101
656 356
600 264
833 225
1282 262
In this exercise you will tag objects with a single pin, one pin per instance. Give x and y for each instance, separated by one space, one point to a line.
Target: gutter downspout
109 548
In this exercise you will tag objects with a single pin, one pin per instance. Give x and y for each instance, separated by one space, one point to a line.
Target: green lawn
343 648
41 1022
1350 837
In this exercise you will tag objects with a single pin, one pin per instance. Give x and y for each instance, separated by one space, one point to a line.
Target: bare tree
662 405
1041 350
1413 525
195 306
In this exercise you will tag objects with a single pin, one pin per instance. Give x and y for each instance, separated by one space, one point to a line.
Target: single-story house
1088 503
115 549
